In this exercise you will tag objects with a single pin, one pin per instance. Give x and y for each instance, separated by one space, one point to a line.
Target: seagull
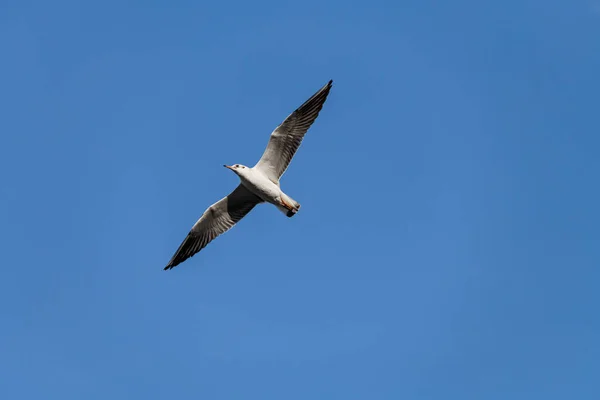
258 184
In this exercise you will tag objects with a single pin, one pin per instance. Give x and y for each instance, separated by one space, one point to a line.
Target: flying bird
258 184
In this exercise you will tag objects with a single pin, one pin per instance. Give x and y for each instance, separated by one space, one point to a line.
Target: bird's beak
228 166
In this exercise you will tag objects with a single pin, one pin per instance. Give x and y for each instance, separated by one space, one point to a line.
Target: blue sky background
448 243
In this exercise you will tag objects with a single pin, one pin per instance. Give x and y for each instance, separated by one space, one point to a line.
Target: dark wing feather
216 220
286 138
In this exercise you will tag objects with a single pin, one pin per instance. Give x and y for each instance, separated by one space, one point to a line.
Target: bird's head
238 168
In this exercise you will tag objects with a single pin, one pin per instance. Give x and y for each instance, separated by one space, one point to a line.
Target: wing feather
216 220
287 137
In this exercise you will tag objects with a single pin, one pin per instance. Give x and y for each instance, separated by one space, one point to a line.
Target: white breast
260 185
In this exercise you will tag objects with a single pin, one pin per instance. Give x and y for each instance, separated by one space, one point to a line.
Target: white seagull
258 184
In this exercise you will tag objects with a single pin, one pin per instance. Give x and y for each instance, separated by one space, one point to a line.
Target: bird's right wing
217 219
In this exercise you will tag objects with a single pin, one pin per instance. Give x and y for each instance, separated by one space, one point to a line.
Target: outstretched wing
217 219
286 138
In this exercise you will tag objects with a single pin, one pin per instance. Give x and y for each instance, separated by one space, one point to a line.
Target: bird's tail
288 205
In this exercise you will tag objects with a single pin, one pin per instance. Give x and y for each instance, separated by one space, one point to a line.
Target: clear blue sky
447 246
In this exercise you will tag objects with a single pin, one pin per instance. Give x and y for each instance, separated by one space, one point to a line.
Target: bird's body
270 192
258 184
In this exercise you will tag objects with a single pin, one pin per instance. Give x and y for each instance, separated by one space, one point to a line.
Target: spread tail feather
288 206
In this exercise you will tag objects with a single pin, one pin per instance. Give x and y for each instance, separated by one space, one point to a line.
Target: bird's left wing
287 137
216 220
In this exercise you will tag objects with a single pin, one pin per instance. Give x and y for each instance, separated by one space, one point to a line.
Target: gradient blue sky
448 243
